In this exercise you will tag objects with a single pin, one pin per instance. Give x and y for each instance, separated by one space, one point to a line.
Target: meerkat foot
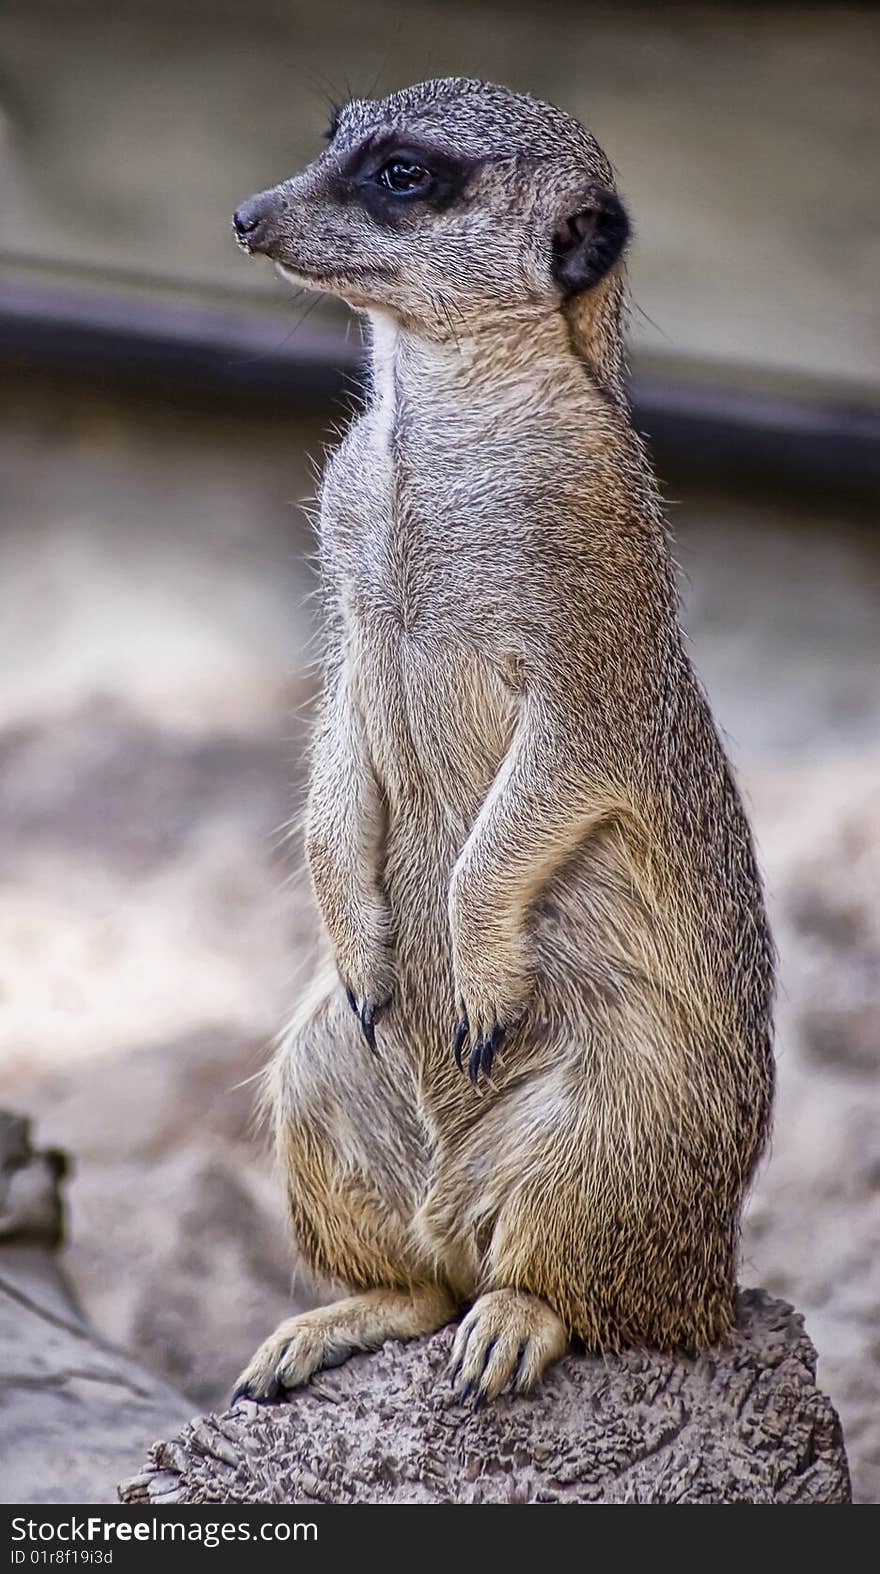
508 1336
316 1340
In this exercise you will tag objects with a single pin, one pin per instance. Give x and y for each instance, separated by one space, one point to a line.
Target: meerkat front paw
508 1336
358 924
482 1048
486 1017
367 974
483 1027
368 1005
492 982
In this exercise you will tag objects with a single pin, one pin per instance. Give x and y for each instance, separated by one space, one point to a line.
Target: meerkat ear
588 242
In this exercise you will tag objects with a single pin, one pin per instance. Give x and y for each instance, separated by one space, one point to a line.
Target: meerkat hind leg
508 1336
303 1345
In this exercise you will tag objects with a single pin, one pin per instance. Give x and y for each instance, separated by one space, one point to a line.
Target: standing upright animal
537 1075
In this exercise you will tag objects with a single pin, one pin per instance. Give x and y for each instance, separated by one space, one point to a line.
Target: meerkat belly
439 721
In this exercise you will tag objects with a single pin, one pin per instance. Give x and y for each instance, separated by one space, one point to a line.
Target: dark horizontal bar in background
705 430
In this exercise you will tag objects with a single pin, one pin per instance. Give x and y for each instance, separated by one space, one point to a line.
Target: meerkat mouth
298 275
329 281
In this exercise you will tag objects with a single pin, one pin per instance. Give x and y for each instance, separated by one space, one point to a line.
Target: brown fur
520 813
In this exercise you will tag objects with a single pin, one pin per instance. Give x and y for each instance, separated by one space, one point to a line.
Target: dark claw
518 1369
274 1388
460 1040
367 1014
242 1391
483 1053
368 1018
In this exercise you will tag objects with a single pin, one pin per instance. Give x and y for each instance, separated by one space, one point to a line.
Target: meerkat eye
404 177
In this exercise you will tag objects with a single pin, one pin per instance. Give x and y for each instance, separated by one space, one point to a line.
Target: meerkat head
447 205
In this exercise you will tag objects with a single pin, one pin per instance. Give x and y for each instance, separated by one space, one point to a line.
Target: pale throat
516 358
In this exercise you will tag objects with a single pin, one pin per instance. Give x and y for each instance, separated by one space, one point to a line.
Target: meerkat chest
432 669
428 549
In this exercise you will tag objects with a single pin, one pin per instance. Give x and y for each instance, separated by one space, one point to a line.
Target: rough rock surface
72 1409
743 1425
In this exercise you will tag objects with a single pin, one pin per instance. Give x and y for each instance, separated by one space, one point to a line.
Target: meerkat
536 1074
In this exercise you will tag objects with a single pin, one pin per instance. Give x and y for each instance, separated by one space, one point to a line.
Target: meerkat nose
252 221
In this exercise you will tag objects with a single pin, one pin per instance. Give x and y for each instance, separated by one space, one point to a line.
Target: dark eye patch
364 178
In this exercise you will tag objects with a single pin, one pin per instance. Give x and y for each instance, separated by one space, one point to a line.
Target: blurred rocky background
161 412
